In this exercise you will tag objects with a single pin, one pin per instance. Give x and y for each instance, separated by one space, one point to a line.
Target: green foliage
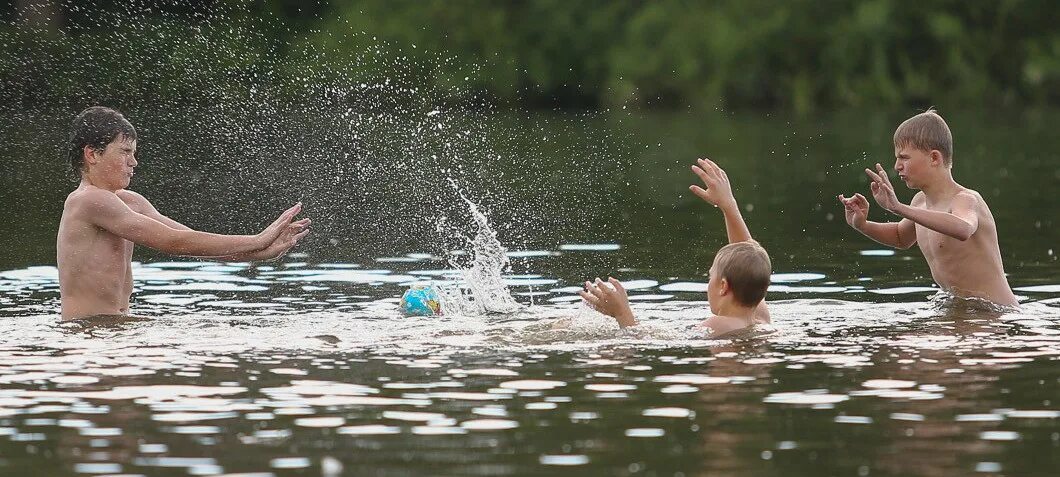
799 54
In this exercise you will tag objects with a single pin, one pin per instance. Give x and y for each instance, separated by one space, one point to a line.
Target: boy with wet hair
739 277
102 221
951 223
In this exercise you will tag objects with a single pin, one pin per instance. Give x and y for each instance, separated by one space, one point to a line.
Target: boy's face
912 165
115 164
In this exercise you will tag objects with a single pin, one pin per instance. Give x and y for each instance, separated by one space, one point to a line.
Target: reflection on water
304 368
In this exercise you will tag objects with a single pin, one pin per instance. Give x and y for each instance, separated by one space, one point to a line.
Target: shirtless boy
739 276
951 223
102 221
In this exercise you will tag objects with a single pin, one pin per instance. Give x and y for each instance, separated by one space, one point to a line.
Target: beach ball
420 300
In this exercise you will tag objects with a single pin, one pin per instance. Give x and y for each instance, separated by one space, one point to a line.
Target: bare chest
84 247
936 245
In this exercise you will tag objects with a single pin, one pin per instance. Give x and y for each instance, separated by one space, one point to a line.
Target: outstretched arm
718 192
287 239
960 223
610 299
114 215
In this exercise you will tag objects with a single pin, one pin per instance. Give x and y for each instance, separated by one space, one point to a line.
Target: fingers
718 172
883 173
712 169
617 284
703 176
713 165
299 224
879 177
293 211
589 298
860 200
700 192
287 216
590 293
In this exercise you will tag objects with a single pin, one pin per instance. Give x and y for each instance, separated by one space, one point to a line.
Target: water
304 367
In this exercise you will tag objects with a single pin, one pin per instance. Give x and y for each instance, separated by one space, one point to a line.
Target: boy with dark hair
102 221
951 223
739 276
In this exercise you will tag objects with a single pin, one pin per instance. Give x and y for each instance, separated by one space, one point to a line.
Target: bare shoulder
969 199
134 200
919 199
93 202
89 197
970 194
129 195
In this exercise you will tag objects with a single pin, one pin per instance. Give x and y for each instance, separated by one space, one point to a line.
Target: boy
951 223
102 220
739 276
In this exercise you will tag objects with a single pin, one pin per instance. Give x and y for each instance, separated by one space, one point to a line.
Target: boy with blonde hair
739 276
951 223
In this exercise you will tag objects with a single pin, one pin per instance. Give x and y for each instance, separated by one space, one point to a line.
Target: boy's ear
88 155
936 157
724 287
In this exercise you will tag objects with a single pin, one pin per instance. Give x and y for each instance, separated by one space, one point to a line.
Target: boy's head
926 132
95 128
741 271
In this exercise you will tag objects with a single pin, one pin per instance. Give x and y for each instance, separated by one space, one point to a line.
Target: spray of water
843 168
482 266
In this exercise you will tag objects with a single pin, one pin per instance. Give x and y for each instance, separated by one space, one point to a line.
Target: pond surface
306 367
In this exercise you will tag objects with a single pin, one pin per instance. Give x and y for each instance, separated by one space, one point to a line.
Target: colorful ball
421 301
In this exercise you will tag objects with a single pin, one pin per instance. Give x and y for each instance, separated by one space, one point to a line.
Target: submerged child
951 223
103 220
739 276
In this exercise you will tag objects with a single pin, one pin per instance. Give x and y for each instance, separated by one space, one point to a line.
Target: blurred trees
800 54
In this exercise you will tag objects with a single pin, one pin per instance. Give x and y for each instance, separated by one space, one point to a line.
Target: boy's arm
279 247
892 234
719 193
109 212
287 238
610 299
960 223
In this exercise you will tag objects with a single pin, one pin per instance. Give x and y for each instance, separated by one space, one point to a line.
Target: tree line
800 55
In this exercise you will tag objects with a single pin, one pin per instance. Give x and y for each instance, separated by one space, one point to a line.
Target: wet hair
926 131
746 266
96 127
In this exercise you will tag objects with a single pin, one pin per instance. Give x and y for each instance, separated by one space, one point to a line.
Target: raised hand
718 191
882 190
610 299
856 209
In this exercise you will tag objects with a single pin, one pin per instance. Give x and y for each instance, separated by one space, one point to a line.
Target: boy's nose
133 162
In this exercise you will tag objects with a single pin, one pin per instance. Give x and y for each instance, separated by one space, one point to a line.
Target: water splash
482 290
